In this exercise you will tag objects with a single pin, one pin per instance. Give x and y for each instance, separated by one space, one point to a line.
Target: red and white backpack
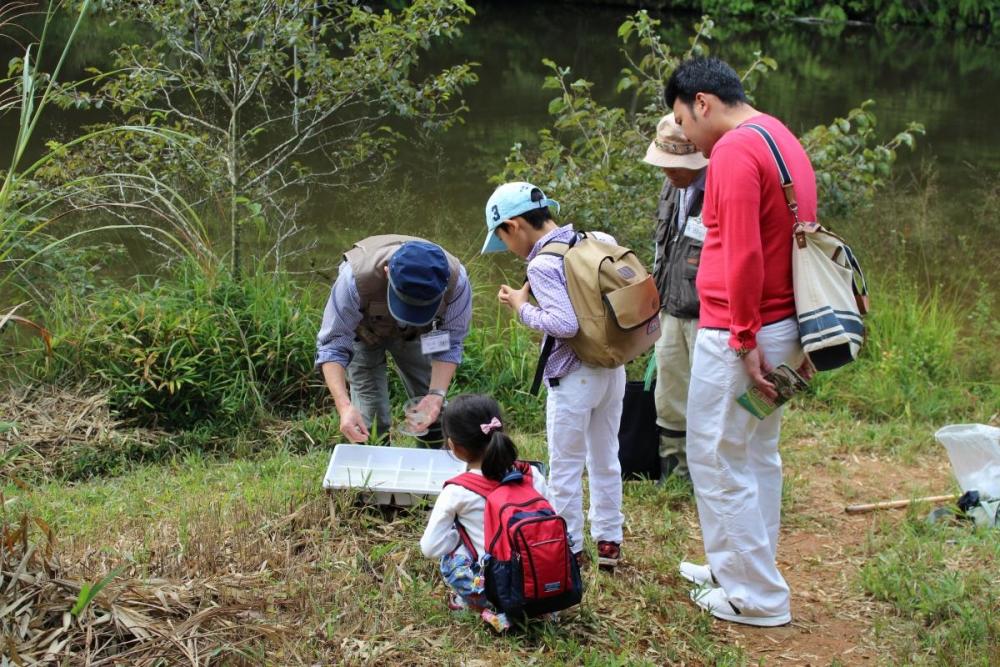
528 565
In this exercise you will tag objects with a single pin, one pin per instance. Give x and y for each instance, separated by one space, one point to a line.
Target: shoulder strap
478 484
556 249
786 176
560 248
482 486
543 359
801 228
783 173
525 469
463 535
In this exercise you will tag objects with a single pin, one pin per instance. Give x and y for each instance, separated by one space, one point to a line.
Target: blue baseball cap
509 201
418 278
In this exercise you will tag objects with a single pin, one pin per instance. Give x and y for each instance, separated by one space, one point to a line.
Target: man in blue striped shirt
401 295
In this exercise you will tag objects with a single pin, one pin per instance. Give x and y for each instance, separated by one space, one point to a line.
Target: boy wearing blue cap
399 295
584 403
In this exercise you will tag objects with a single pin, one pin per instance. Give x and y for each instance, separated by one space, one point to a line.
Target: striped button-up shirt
554 315
342 316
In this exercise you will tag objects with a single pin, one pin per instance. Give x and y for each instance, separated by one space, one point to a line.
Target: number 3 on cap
496 213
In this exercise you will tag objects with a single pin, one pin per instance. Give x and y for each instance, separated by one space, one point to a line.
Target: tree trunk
234 221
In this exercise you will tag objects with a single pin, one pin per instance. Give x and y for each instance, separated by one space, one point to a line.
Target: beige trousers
674 354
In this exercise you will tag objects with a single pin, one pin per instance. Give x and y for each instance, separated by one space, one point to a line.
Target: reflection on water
948 81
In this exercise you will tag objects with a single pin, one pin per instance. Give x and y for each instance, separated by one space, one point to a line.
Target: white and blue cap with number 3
508 201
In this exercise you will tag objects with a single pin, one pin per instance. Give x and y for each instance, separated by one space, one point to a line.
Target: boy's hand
513 298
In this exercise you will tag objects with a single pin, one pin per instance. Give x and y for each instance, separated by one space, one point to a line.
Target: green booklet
785 380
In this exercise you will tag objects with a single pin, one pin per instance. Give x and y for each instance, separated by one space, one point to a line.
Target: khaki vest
368 259
677 256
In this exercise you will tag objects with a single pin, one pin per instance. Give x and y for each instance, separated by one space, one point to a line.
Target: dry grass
43 619
47 429
332 582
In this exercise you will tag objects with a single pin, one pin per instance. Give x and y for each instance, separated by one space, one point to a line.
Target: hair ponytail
473 422
499 456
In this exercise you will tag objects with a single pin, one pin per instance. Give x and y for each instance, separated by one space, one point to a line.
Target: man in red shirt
747 326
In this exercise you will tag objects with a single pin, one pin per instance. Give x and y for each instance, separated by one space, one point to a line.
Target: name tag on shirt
433 342
694 229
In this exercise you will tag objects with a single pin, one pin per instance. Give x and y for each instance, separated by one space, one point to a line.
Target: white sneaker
715 602
700 575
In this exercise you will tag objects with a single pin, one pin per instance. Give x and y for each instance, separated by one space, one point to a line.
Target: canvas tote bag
831 295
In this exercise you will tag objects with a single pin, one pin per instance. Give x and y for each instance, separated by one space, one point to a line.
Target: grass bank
202 363
332 582
355 588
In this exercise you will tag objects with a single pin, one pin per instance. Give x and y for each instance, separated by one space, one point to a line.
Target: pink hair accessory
493 425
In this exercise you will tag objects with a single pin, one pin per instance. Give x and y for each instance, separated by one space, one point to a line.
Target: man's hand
757 367
429 406
352 424
806 370
513 298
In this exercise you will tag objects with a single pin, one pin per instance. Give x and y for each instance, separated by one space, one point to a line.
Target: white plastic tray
395 475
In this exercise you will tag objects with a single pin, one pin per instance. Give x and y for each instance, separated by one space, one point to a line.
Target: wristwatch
742 351
443 393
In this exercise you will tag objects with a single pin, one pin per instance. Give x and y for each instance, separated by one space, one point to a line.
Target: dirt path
820 554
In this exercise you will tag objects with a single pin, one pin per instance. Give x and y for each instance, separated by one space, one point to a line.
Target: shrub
194 347
591 157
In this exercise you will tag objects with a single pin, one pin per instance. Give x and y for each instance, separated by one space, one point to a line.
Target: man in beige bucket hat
679 236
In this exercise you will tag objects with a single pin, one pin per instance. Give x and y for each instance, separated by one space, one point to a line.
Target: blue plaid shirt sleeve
341 317
457 319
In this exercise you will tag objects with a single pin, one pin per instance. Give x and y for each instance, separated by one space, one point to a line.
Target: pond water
948 81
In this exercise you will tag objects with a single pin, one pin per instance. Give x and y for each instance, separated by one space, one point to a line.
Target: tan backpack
615 300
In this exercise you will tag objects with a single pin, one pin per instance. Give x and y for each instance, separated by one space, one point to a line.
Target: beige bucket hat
672 149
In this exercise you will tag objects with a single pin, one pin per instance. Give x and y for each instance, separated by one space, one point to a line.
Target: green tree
593 152
276 97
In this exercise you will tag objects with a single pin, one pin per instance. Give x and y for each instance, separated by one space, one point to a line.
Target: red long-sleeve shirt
745 276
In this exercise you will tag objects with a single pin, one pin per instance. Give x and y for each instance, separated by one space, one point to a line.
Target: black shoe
667 466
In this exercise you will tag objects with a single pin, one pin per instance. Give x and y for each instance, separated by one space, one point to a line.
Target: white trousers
582 416
736 469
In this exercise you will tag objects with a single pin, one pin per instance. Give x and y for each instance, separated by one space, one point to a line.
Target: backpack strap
480 486
463 535
543 360
558 249
525 468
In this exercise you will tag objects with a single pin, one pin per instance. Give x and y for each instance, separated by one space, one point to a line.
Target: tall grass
197 347
500 358
924 360
29 207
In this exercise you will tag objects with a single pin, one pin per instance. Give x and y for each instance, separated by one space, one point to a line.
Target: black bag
638 435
